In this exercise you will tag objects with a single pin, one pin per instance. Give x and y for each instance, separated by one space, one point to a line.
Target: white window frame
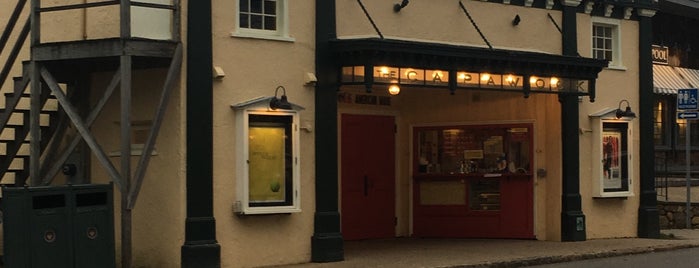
282 32
243 205
616 61
599 176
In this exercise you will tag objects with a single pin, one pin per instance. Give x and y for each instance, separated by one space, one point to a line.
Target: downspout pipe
572 217
200 247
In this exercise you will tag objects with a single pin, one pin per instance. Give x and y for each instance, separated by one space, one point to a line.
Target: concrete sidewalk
411 252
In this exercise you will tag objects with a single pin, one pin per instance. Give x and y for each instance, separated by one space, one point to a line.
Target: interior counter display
473 181
473 149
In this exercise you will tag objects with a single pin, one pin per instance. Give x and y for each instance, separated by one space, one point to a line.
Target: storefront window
659 123
474 149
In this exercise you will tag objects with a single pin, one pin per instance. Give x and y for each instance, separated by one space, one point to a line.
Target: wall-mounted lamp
394 89
626 112
516 20
398 7
282 103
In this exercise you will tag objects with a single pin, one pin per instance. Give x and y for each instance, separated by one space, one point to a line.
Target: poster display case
267 158
612 145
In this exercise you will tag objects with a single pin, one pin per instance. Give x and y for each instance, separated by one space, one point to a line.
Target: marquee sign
462 79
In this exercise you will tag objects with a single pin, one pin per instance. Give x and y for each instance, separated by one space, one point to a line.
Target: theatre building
455 122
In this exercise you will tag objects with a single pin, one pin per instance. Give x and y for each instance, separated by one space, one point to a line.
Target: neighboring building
675 67
278 138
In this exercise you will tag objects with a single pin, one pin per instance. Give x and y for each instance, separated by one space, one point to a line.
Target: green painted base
648 222
327 248
573 226
201 256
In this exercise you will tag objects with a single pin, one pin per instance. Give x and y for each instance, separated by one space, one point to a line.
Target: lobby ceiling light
394 89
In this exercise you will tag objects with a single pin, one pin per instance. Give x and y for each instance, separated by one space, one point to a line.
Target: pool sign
687 99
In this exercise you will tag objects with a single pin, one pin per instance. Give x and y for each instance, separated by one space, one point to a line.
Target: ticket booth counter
473 181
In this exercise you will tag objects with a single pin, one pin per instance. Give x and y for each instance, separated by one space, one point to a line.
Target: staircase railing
12 57
11 24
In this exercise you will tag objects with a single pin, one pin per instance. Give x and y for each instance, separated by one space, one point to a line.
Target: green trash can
93 226
58 226
36 227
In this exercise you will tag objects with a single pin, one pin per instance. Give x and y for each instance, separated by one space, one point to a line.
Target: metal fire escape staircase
51 93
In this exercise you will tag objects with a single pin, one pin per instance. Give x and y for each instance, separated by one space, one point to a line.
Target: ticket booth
473 181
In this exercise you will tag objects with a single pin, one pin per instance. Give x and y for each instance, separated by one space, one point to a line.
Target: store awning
667 81
690 75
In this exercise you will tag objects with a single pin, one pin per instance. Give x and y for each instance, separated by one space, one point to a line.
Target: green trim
327 244
200 248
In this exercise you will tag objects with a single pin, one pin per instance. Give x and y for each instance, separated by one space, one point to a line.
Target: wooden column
126 245
327 243
648 221
200 247
572 217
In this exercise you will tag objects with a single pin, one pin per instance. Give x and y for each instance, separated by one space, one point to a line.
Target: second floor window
264 19
602 42
606 41
258 14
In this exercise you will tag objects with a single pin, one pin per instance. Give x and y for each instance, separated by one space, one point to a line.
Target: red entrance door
368 176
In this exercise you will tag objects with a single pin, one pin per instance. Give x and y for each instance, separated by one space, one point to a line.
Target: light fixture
516 20
394 89
626 112
282 103
554 82
398 7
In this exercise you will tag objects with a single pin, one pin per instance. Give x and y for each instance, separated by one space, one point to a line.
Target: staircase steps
14 138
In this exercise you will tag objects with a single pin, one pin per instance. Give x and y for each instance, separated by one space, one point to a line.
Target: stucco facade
252 67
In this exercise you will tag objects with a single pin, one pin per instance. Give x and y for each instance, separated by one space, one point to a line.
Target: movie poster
266 164
611 160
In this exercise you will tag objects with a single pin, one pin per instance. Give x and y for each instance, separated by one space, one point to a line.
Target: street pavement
447 253
444 253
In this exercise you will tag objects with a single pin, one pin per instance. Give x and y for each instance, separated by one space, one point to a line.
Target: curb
574 257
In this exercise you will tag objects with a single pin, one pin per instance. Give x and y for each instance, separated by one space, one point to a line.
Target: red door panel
368 176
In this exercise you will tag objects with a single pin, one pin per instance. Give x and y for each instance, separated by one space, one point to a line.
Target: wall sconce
516 20
626 112
282 103
394 89
398 7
